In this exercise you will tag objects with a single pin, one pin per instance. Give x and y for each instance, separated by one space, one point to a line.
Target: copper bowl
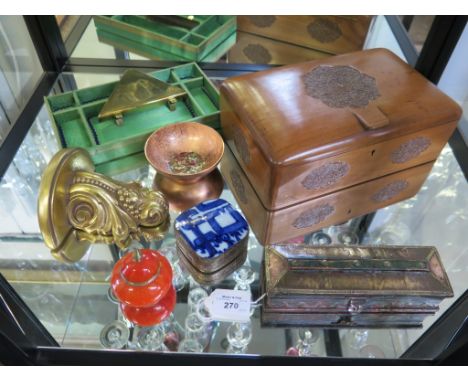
165 143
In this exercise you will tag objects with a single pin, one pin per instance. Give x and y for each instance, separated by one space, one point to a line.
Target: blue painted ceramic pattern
212 227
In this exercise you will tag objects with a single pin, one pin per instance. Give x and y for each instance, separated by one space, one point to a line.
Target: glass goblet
347 238
320 238
371 351
239 334
202 311
151 338
243 277
196 329
194 297
189 345
357 338
115 335
179 280
307 339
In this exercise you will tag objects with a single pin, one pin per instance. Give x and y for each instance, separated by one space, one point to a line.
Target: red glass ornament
141 278
152 315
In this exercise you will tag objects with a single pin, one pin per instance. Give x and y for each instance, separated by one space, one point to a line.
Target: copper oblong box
352 286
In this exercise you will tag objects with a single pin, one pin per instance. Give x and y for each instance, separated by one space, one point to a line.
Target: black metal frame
75 35
448 329
38 347
401 34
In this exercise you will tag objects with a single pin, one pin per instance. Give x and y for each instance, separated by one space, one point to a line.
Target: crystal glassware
347 238
134 245
194 297
115 335
179 280
320 238
197 329
371 351
173 332
243 277
189 345
202 311
307 340
151 338
111 296
239 335
357 338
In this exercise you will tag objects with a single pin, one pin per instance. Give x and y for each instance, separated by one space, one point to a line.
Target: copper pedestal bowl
185 156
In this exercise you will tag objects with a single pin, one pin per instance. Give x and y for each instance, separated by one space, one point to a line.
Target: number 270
231 305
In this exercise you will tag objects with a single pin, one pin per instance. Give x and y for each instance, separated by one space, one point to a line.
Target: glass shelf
72 302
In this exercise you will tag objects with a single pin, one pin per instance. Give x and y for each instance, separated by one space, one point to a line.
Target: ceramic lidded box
211 240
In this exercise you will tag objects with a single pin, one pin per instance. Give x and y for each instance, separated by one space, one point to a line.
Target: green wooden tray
208 41
112 147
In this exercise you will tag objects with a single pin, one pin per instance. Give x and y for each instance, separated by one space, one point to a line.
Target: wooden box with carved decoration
317 143
329 34
290 39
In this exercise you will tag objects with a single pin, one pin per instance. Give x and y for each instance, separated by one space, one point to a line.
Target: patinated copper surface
340 270
182 196
172 140
358 285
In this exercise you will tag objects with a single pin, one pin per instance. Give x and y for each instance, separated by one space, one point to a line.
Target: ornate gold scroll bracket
77 206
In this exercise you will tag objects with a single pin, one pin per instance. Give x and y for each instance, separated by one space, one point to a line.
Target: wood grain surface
282 136
330 34
277 226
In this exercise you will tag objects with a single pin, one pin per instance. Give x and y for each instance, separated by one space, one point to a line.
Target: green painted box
114 148
208 41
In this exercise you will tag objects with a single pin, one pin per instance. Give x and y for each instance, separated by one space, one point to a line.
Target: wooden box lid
334 105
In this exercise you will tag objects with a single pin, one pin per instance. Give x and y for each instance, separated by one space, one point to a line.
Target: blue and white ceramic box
212 235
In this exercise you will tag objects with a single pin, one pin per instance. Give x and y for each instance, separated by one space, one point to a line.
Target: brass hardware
172 104
119 119
77 206
137 90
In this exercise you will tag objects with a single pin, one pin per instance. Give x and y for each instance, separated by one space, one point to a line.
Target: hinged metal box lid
354 279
